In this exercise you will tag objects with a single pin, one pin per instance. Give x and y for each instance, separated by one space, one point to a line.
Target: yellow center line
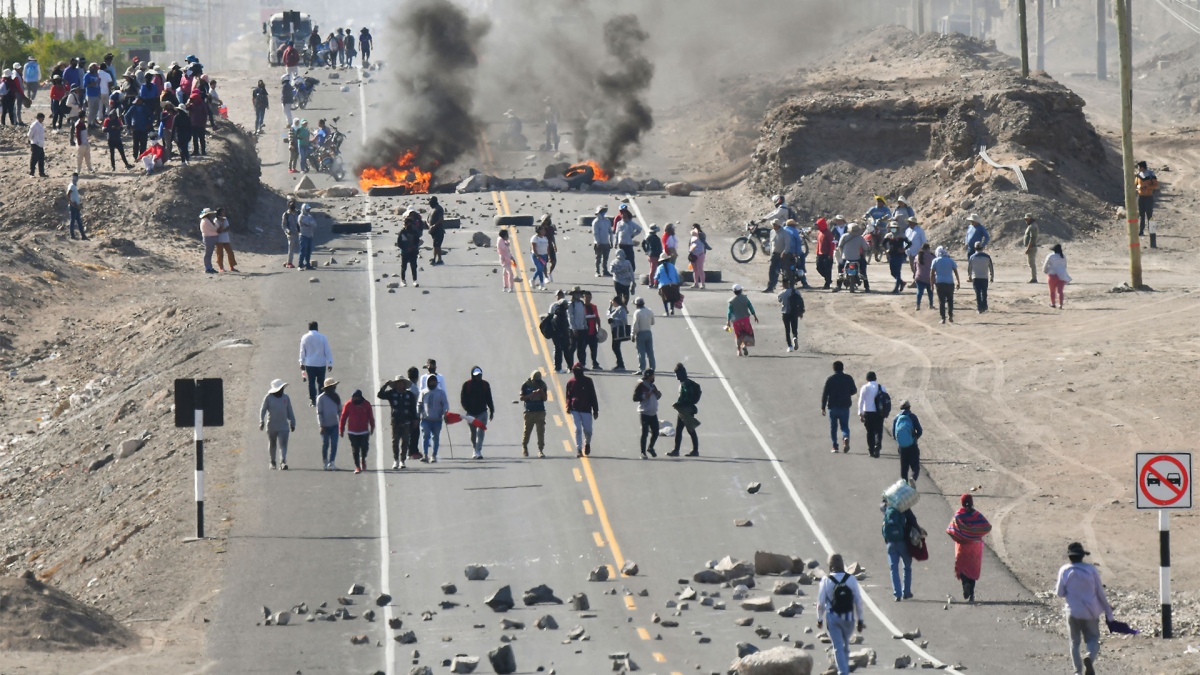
533 343
558 421
659 657
587 507
629 603
643 633
578 476
599 539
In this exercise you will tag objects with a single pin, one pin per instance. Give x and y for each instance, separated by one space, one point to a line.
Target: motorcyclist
853 248
782 212
880 212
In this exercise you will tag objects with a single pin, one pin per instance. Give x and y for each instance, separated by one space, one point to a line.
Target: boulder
785 587
731 568
776 661
306 183
339 191
539 595
772 563
708 577
476 182
579 602
473 573
599 574
652 185
625 184
678 189
556 184
464 664
759 604
547 622
130 446
600 186
481 240
503 660
629 569
501 600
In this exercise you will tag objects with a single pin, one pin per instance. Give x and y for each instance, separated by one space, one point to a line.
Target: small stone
503 660
579 602
745 649
708 577
762 632
759 604
315 280
449 588
599 574
464 664
743 522
575 633
629 569
688 593
902 662
359 639
395 624
345 601
509 624
547 622
383 600
369 615
744 621
501 600
669 623
540 594
476 572
784 587
753 488
406 638
281 618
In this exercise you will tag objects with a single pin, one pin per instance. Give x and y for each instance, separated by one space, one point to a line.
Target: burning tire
514 221
578 175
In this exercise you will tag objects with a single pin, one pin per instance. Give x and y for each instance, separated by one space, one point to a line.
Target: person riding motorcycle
853 248
782 212
880 212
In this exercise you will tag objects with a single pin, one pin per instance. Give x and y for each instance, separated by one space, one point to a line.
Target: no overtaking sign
1164 480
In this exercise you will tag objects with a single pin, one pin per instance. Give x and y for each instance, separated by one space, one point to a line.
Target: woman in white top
1055 269
540 247
697 247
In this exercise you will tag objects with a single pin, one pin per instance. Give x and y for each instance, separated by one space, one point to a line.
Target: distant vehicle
284 26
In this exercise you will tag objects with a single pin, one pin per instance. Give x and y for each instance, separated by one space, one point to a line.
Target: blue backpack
902 429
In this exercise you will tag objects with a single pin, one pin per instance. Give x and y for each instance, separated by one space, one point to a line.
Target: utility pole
1101 45
1024 39
113 27
1124 47
1041 35
920 17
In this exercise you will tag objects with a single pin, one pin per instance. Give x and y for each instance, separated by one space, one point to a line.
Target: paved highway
306 535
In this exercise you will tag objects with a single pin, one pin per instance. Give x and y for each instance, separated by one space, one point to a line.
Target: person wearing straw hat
1079 585
329 407
976 232
276 418
210 232
666 277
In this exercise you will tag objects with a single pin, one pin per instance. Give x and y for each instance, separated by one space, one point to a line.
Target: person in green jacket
738 319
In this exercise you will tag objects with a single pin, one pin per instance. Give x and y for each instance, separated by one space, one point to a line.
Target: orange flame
404 172
598 171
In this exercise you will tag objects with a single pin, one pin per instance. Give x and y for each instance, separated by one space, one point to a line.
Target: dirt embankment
906 115
95 481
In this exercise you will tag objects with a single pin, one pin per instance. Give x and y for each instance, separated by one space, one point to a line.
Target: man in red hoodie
358 420
825 243
584 408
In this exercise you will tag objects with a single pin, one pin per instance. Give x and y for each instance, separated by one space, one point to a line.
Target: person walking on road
621 270
37 146
791 305
577 322
839 602
316 358
403 403
1031 245
646 395
261 101
414 435
276 417
592 318
1079 584
980 272
685 407
290 223
437 230
409 243
1146 184
601 240
476 401
560 330
210 232
944 271
967 529
643 338
896 526
534 395
666 278
224 242
507 264
871 412
1055 269
906 429
539 248
549 231
896 245
626 229
329 410
836 398
737 319
581 399
922 269
618 328
433 406
358 420
915 235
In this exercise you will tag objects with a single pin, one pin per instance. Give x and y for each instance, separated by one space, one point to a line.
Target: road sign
1164 480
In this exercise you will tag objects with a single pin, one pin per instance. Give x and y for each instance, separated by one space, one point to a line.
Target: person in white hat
329 411
902 211
210 232
308 230
602 240
276 417
915 235
976 232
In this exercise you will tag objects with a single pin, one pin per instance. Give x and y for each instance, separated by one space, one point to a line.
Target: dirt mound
902 114
37 617
1173 82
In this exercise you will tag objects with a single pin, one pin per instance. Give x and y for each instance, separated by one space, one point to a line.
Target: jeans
922 290
773 271
477 436
277 439
316 380
839 416
583 429
1087 631
303 151
649 431
981 288
841 629
645 349
534 419
579 343
873 421
37 159
898 552
76 219
210 245
602 251
910 458
945 294
329 443
260 117
431 430
306 248
539 270
1145 206
359 445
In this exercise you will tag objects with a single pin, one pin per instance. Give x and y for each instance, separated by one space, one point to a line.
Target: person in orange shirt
1147 184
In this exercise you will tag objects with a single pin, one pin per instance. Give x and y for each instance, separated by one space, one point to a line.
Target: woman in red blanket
968 529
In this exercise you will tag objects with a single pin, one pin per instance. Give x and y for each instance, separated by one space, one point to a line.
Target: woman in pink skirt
506 260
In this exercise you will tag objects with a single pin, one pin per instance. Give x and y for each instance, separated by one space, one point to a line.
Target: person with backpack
906 429
685 407
836 397
621 270
261 100
874 406
646 395
403 403
967 529
792 307
558 325
534 395
839 602
580 395
896 527
476 401
652 247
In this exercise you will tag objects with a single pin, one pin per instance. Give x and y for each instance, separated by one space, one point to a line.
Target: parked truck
284 26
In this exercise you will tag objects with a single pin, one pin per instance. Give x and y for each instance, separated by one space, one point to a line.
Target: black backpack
843 597
639 392
883 403
692 389
546 326
795 304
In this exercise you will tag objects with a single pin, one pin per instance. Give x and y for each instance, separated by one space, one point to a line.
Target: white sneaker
395 465
402 465
433 459
332 466
789 348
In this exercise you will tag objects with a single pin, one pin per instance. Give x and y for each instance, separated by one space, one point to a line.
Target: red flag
453 418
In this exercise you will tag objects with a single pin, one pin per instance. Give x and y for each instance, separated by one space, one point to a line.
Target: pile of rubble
555 179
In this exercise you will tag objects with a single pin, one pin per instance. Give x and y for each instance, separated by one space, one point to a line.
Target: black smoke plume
615 127
433 58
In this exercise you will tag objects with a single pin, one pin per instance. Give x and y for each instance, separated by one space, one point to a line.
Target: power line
1191 26
1187 6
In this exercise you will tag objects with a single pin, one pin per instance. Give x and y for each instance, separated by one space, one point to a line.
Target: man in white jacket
315 360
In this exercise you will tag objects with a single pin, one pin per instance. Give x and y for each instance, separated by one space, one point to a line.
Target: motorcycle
304 89
745 247
329 157
875 231
850 277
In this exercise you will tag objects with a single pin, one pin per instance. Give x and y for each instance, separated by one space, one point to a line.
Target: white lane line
787 482
385 544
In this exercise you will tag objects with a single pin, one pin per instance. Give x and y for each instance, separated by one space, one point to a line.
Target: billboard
141 28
